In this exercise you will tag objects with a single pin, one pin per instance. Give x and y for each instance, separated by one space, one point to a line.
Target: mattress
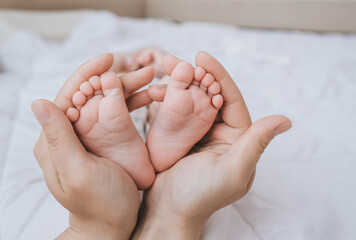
306 181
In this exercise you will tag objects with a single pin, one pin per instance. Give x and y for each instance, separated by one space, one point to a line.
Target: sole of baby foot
103 124
188 111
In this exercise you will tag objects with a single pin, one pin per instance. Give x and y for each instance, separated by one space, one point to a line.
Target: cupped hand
217 172
102 199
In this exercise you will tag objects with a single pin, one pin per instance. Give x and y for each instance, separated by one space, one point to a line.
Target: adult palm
221 168
102 198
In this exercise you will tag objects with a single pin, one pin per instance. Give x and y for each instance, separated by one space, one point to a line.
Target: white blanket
306 181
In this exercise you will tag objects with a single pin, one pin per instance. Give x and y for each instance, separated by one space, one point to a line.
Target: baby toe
111 84
72 114
217 101
87 89
199 73
207 81
79 99
214 88
95 82
182 76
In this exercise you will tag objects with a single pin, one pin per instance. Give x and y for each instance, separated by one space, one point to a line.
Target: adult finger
157 92
61 143
143 98
234 111
48 167
133 81
95 66
138 100
244 154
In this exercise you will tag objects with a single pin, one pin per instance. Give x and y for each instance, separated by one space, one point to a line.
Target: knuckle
262 145
78 183
259 142
54 141
80 180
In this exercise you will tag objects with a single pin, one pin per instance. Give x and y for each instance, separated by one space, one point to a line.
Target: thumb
247 150
57 129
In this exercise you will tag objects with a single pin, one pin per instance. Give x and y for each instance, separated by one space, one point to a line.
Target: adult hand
144 57
219 170
102 199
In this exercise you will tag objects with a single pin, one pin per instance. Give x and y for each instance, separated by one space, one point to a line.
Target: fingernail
282 128
41 113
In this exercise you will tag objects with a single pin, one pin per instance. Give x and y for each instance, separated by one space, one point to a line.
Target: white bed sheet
306 181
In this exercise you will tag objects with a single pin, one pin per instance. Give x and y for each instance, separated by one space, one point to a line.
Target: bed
306 181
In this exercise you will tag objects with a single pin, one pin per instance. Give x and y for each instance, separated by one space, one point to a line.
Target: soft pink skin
151 57
127 62
103 124
186 114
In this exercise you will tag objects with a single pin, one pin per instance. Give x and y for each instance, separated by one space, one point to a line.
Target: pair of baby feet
103 124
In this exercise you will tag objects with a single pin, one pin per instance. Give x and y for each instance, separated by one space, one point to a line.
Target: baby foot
188 111
104 126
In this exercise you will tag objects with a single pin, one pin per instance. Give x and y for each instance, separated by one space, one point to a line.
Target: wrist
155 225
95 230
74 234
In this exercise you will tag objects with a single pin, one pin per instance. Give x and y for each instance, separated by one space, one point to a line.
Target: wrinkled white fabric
306 181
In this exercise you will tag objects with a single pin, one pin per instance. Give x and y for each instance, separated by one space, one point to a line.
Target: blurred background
316 15
290 57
